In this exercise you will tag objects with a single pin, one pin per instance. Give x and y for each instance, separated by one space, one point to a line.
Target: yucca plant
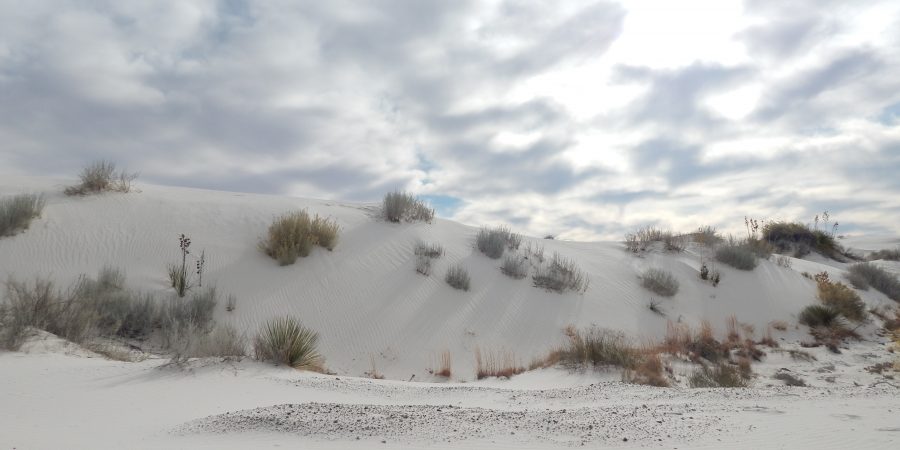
819 315
286 341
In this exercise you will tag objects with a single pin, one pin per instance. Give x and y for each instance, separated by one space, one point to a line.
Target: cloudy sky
583 119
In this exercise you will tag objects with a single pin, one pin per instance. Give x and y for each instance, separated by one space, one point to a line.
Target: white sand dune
368 303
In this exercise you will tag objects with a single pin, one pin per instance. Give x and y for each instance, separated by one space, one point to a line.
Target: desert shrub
819 316
500 364
286 341
91 307
221 341
401 205
16 212
790 236
660 282
697 347
736 256
560 275
643 237
706 235
458 277
841 298
876 277
101 176
597 348
424 253
514 267
719 375
534 252
293 235
182 318
886 254
494 241
650 371
783 261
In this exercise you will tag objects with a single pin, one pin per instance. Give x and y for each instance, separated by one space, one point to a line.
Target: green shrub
791 236
736 256
286 341
819 316
660 282
294 234
871 275
17 212
401 205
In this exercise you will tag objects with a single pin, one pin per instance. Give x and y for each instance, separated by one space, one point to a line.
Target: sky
580 119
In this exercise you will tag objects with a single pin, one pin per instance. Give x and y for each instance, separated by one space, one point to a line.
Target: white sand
367 301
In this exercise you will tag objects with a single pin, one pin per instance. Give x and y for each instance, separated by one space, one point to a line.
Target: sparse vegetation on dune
424 254
500 364
737 256
642 239
840 298
799 239
886 255
598 348
560 275
444 366
514 266
293 235
492 242
286 341
458 277
17 212
660 282
398 206
101 176
719 375
863 275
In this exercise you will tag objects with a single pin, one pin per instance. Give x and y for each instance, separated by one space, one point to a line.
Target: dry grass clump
737 256
425 253
17 212
863 275
799 238
401 205
642 239
719 375
650 370
706 235
660 281
494 241
101 176
840 298
789 379
886 254
500 364
598 348
294 234
222 341
696 347
458 277
444 366
286 341
514 266
560 275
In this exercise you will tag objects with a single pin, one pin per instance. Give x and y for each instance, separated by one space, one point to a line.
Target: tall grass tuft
494 241
286 341
560 275
596 348
660 282
17 212
514 266
458 277
736 256
293 235
401 205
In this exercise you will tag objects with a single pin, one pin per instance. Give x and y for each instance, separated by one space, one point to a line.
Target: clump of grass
840 298
514 267
286 341
445 366
641 239
660 282
650 370
720 375
869 274
696 347
494 241
736 256
794 236
886 254
706 235
101 176
819 316
401 205
293 235
560 275
223 341
17 212
598 348
458 277
499 364
424 254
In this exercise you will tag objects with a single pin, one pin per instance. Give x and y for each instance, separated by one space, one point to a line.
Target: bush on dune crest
286 341
494 241
401 205
796 237
293 235
101 176
17 212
